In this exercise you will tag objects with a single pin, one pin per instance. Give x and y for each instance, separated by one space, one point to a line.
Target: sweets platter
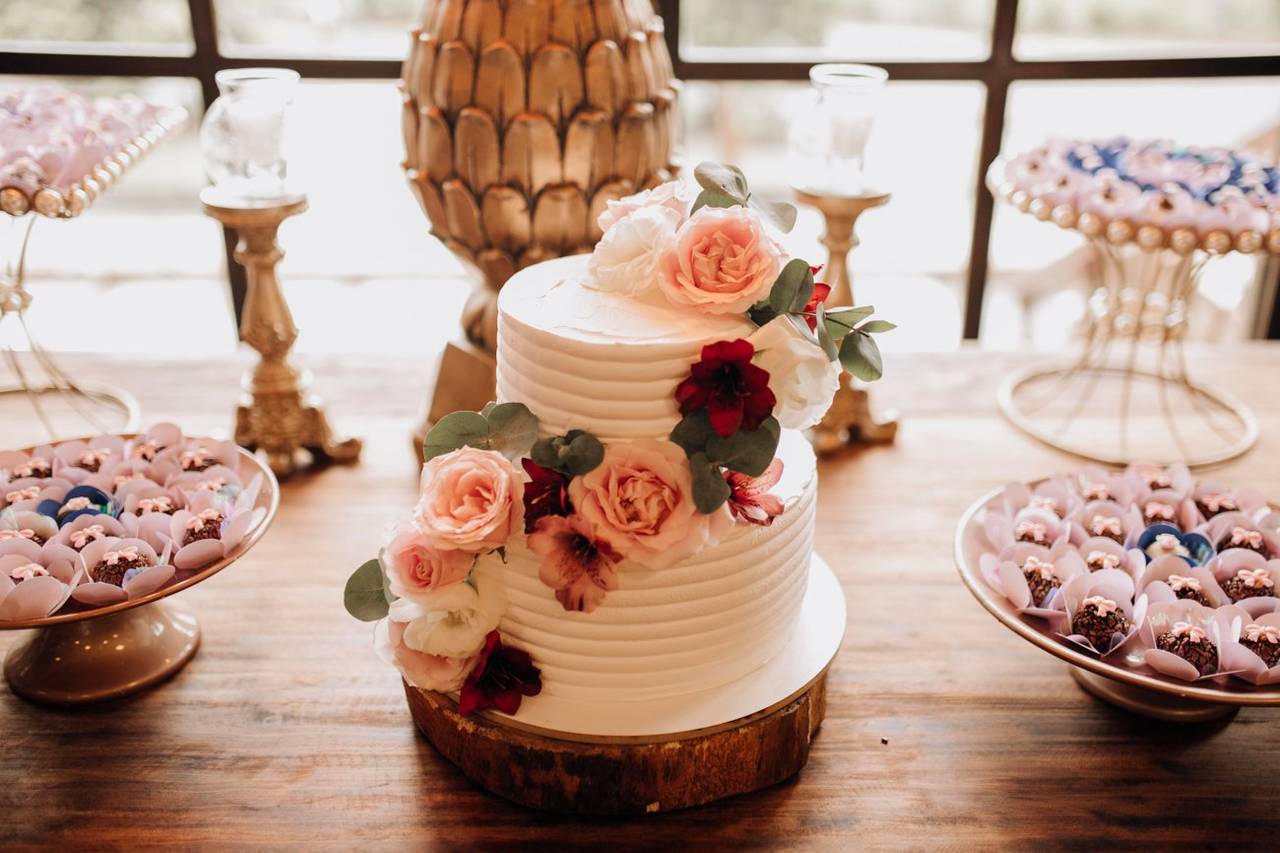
90 655
1138 690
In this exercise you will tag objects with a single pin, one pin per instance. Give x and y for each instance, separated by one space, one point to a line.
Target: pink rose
639 500
673 195
722 261
422 670
414 567
472 500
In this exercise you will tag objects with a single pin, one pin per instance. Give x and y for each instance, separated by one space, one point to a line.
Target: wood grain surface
943 729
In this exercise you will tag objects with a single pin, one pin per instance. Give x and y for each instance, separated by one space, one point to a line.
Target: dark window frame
996 72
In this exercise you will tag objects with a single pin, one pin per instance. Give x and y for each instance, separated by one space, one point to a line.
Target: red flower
750 500
820 293
501 678
546 493
734 391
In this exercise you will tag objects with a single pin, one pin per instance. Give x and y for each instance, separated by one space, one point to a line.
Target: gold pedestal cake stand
636 758
108 652
1138 690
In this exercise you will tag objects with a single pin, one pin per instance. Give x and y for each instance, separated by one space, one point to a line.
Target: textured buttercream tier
609 363
704 622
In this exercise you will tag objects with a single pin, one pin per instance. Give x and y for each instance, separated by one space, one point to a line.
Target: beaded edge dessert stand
87 400
113 651
703 757
850 418
277 417
1134 333
1139 691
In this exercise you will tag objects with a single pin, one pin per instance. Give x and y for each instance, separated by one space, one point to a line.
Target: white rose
454 620
800 375
626 258
675 196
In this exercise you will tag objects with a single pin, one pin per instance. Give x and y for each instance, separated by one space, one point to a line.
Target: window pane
1106 29
312 28
62 24
816 30
1039 271
914 253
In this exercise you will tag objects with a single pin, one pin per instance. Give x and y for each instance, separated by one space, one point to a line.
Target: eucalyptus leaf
825 340
455 430
761 314
728 180
860 355
875 327
710 490
693 432
746 452
802 326
713 198
795 279
512 428
585 453
488 407
364 596
850 317
780 214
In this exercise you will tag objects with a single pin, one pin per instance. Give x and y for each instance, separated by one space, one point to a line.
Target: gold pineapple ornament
522 119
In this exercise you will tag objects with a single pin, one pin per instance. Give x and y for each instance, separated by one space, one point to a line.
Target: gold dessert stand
851 418
1129 395
277 417
107 652
1139 690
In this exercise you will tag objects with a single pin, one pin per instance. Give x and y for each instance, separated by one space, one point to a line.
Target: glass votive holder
828 139
244 132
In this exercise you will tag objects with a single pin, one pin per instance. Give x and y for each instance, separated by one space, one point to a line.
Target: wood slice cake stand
635 758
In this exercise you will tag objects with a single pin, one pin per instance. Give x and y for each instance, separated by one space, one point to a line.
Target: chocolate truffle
1031 531
114 564
80 539
203 527
1040 579
91 460
160 504
1097 492
1188 588
33 467
24 533
26 572
1098 620
1263 641
196 460
147 450
1249 583
1192 644
1108 526
1099 560
1243 537
1157 512
1211 505
1047 503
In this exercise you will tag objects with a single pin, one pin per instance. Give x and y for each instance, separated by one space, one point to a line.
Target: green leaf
794 282
728 180
713 198
575 453
365 597
860 355
746 452
458 429
709 487
825 340
875 327
512 429
488 407
841 321
761 313
780 214
693 432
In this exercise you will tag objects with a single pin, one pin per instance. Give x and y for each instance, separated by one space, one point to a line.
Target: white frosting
584 358
704 622
609 363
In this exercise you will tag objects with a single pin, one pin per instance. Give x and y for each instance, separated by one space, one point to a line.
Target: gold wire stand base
1219 427
123 406
1150 703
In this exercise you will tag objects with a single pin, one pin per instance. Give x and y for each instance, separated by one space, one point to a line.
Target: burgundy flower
501 678
750 500
547 493
820 293
734 391
580 567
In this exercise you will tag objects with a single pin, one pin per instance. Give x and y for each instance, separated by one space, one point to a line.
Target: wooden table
943 729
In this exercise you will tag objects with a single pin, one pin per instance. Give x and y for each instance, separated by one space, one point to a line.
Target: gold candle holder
277 417
851 418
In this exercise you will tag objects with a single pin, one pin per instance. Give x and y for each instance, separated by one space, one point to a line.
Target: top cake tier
605 362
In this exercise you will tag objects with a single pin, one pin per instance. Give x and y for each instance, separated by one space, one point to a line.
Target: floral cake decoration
590 510
87 523
1144 567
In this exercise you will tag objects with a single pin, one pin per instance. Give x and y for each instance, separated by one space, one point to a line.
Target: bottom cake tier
704 622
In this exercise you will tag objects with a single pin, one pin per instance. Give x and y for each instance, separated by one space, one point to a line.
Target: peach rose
722 261
414 568
472 500
639 500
